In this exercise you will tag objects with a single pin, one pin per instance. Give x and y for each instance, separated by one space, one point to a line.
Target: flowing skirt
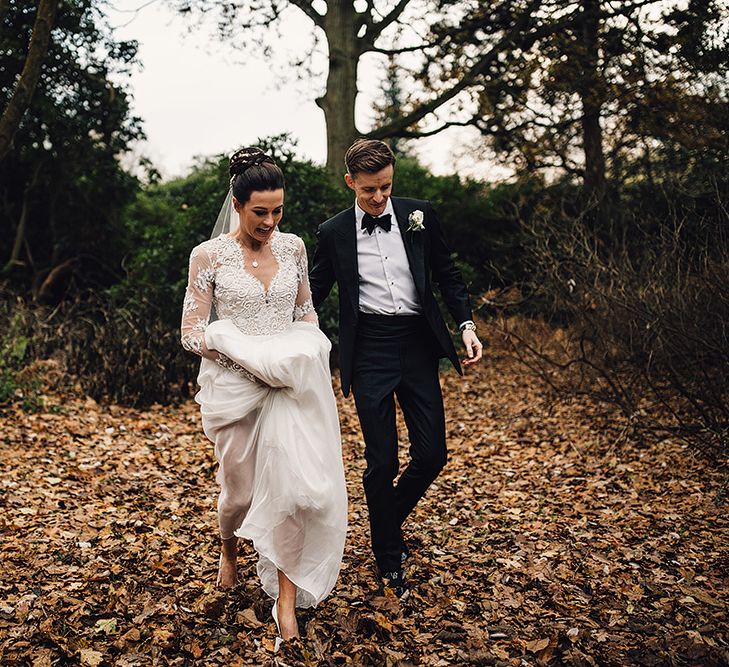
279 453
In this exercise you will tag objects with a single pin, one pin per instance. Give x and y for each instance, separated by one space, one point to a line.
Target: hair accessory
245 158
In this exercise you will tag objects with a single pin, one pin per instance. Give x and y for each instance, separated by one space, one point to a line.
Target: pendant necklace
249 253
254 260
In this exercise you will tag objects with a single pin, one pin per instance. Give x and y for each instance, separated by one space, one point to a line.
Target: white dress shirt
386 285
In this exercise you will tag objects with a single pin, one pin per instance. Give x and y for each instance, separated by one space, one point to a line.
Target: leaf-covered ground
549 539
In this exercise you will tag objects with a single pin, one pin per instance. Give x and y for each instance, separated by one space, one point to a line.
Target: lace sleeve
304 306
196 311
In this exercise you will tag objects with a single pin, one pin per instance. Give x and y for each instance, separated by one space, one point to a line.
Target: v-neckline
266 289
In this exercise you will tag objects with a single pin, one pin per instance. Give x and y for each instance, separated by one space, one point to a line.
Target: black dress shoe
395 581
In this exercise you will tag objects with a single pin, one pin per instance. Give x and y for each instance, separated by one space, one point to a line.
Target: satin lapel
347 254
413 245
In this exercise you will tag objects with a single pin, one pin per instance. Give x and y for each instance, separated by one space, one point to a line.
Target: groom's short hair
368 155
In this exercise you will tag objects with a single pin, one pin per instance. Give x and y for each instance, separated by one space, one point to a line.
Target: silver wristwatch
468 324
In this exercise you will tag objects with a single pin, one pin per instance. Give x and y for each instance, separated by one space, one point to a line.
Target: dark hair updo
251 170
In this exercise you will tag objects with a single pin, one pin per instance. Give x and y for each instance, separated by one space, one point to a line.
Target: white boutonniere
416 221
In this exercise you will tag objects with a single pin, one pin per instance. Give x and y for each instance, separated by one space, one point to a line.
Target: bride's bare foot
228 566
287 625
227 573
285 608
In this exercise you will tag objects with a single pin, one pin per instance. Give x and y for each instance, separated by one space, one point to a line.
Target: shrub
22 374
645 299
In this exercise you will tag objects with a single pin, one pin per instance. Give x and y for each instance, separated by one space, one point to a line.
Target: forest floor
549 539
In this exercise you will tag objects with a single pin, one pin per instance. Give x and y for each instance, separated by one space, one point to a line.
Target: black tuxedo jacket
335 259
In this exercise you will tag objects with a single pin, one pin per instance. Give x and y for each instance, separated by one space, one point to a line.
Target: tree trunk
591 94
340 26
45 292
19 233
37 49
22 222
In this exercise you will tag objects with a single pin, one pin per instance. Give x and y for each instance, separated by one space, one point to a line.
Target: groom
383 253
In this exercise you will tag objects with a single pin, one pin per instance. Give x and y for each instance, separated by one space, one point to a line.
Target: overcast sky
199 96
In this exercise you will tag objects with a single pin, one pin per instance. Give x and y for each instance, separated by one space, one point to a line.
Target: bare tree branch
374 30
400 126
404 49
414 134
309 10
397 126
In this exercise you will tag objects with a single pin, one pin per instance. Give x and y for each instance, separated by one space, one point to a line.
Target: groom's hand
473 347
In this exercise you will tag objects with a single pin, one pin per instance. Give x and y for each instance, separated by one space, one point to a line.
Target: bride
265 395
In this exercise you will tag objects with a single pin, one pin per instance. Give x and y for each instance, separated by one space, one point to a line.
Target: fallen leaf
106 625
248 618
537 645
90 657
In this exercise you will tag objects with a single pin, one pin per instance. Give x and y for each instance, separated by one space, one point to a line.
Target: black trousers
397 356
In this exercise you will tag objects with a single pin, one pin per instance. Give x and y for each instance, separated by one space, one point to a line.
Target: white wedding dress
267 404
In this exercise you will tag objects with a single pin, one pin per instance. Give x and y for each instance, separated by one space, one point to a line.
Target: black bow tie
369 222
